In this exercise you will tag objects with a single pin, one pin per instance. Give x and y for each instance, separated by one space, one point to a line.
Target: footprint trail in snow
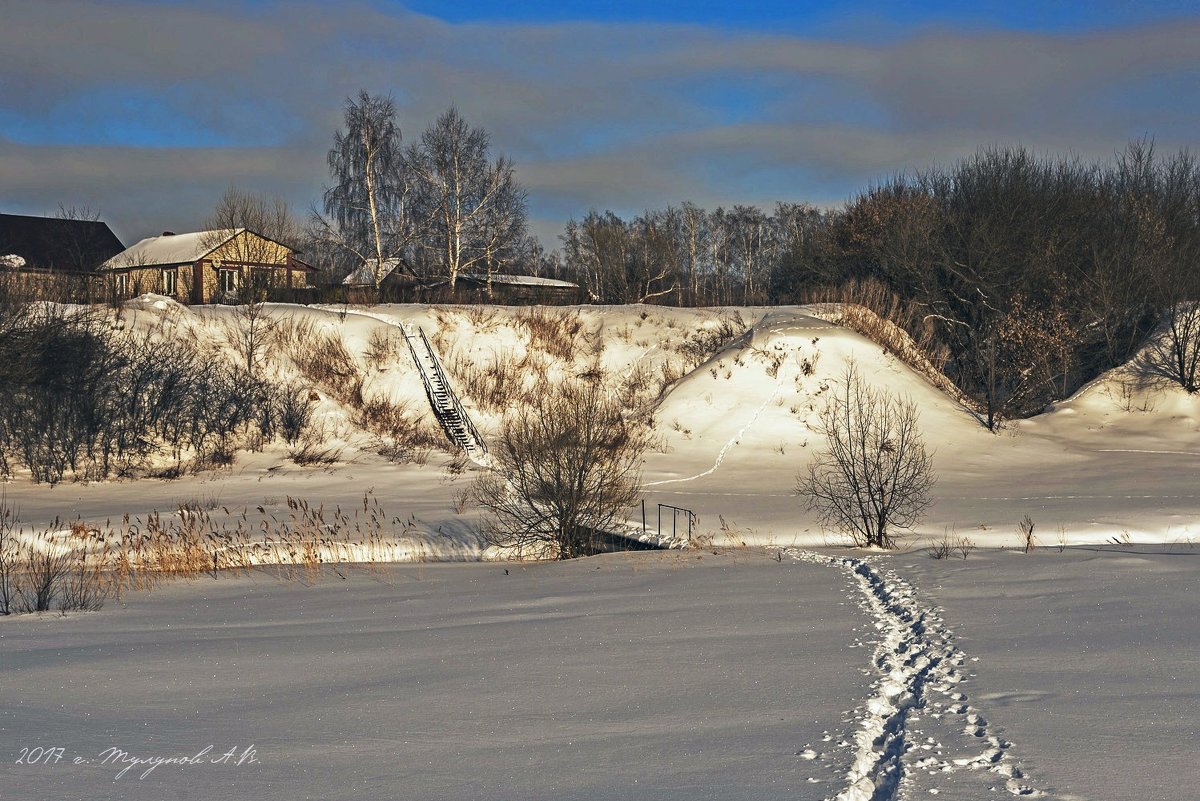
917 734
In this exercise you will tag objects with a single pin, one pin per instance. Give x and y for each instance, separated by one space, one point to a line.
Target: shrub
874 477
294 410
565 466
78 397
708 339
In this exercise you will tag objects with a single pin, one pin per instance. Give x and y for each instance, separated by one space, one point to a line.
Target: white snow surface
666 676
740 674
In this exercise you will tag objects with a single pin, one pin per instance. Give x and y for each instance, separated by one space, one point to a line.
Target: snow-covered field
680 675
790 670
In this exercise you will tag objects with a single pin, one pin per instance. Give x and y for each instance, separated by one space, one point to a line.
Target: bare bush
942 549
565 466
873 479
44 571
253 332
1174 353
1027 538
79 397
708 339
294 410
10 561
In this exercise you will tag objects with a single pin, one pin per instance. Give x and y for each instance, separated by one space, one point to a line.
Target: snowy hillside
735 394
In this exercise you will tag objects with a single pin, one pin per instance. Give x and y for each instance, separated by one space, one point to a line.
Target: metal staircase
446 406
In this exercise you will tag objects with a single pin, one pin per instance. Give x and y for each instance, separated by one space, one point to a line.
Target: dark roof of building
48 243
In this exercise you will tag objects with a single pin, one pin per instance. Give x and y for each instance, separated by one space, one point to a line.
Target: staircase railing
456 404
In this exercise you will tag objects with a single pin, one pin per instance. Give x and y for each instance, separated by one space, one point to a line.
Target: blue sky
830 18
148 111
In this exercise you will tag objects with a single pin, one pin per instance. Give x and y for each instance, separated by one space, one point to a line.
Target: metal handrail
432 395
458 407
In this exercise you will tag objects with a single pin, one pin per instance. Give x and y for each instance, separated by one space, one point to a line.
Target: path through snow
917 731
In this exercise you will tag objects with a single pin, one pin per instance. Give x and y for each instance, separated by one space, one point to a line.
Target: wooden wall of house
250 247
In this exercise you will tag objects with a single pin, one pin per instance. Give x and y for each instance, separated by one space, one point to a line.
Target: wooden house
223 266
517 289
500 288
54 257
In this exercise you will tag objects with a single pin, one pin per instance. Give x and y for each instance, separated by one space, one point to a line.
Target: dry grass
383 345
555 332
897 326
404 435
77 567
502 382
313 453
323 359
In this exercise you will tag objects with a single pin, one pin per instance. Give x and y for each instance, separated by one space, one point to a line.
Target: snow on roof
12 261
364 274
520 280
171 249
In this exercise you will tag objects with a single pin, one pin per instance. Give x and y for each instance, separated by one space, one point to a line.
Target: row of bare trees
1032 273
79 398
1036 274
688 256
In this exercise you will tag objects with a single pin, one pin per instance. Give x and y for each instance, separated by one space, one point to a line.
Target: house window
169 282
227 280
121 284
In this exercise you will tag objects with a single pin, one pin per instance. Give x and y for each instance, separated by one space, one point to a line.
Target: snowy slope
1116 460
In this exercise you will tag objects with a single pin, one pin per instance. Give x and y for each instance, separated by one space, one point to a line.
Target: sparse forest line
1016 276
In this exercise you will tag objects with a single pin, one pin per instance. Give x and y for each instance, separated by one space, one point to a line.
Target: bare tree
1174 352
270 217
874 478
368 210
258 258
474 206
564 468
620 262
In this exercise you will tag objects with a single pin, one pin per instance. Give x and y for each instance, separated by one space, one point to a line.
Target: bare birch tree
368 210
468 200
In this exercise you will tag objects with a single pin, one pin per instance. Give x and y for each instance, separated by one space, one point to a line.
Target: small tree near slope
873 480
565 464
